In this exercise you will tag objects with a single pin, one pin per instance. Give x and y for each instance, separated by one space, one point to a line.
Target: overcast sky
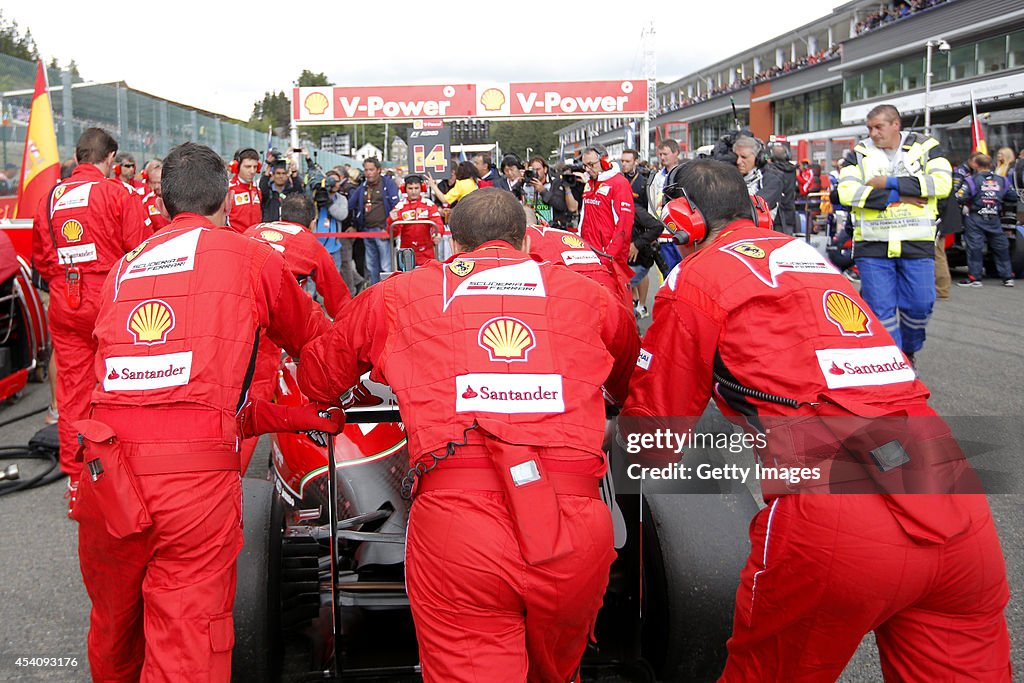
223 56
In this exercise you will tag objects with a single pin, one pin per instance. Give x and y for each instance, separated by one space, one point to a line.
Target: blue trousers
977 232
378 258
901 292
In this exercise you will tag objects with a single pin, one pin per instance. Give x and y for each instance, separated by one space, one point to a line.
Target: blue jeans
901 292
378 258
640 272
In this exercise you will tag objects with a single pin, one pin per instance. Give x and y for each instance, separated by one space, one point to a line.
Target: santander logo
836 370
113 375
469 393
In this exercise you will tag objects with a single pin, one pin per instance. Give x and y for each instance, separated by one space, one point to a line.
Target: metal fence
144 125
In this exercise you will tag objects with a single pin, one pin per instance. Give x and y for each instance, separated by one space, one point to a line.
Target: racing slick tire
694 547
257 642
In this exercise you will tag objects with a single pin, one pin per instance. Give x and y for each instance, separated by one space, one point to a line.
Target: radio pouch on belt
909 457
532 501
107 480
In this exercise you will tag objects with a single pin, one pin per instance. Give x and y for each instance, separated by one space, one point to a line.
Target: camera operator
545 194
331 214
275 187
646 229
787 203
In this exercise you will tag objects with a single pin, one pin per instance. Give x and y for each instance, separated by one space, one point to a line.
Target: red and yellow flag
978 143
40 164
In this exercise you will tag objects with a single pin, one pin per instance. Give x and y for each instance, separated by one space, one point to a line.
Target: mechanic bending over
923 571
508 545
159 503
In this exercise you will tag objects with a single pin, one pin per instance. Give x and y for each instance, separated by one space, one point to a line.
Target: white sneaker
51 416
641 312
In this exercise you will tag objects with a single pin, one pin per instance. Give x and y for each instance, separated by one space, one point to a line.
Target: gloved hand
317 419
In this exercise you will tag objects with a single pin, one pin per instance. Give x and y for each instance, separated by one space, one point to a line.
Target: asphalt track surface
973 362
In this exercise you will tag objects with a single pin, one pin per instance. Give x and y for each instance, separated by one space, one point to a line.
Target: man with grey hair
762 178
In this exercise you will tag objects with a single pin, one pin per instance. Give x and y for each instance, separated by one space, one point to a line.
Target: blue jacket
357 201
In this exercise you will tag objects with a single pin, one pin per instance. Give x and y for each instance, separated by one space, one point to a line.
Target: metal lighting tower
650 71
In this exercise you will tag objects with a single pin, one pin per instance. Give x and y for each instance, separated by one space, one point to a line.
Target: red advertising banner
579 99
384 102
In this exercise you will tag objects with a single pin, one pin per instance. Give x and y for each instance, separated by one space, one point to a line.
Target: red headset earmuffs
760 213
685 220
605 164
235 163
145 176
117 170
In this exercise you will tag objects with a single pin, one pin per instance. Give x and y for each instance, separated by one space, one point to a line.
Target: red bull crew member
159 510
498 363
925 572
79 232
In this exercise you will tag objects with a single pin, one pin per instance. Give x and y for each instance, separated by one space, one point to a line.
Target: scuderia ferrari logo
748 249
462 268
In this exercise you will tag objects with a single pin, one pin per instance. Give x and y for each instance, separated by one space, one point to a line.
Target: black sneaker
1007 283
969 282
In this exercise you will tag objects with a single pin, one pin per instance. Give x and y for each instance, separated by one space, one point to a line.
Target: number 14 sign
430 152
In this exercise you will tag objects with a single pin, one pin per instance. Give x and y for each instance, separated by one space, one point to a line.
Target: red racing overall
246 205
925 572
176 331
95 221
508 549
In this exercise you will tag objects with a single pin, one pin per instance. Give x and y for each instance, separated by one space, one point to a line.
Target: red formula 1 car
24 333
321 576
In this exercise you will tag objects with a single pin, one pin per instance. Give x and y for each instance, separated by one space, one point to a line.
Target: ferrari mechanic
499 368
924 571
79 232
160 502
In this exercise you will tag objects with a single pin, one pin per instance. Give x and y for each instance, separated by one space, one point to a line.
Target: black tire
257 642
1017 255
694 548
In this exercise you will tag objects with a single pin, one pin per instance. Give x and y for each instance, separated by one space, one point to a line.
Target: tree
274 110
14 44
516 136
307 79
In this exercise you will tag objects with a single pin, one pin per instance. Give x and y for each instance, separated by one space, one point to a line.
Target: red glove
262 417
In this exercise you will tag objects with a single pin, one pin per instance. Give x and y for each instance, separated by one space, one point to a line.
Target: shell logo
574 242
748 249
316 103
506 339
72 230
492 99
150 322
846 314
272 235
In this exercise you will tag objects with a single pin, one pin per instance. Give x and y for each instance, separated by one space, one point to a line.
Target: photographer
545 194
331 213
275 187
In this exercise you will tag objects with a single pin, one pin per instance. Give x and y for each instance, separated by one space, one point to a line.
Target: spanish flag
978 143
40 163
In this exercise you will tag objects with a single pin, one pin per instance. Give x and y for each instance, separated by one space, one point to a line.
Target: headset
761 156
117 171
236 162
686 222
